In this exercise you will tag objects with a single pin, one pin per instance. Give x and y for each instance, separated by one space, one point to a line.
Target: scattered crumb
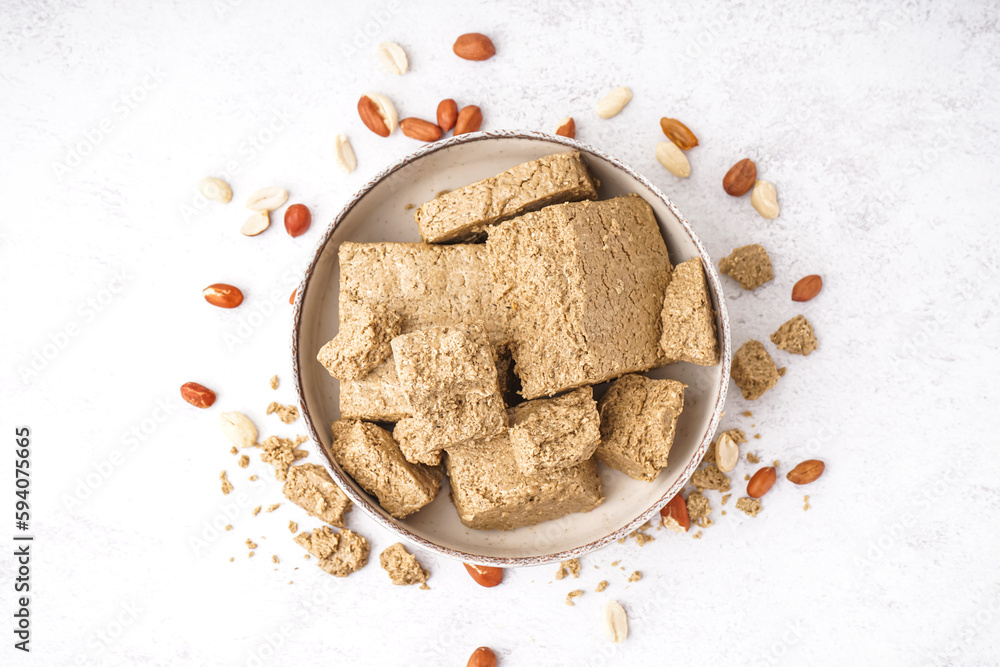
795 336
250 544
250 555
753 458
698 509
697 535
229 526
723 512
725 498
307 556
573 594
746 476
231 559
805 506
403 567
571 566
750 506
290 581
226 486
408 207
747 413
293 527
775 464
635 576
601 587
274 559
252 478
256 511
640 535
756 436
281 453
614 563
781 371
244 461
273 382
286 413
271 508
748 265
710 478
424 587
233 450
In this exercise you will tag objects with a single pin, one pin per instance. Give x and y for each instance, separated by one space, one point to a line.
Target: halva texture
754 372
426 286
748 265
687 316
403 567
555 432
795 336
580 287
339 553
368 453
310 487
638 423
464 214
449 376
361 344
490 492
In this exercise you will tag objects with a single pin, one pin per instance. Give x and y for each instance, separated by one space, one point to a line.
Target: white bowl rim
391 525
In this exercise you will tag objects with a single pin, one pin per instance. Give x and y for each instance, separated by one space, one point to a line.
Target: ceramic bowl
382 211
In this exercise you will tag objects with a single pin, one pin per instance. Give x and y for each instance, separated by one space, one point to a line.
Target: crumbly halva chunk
370 455
490 493
286 413
754 372
580 287
465 214
361 344
638 423
426 286
310 487
339 553
710 477
698 509
403 567
281 453
449 376
555 432
748 265
688 319
795 336
749 506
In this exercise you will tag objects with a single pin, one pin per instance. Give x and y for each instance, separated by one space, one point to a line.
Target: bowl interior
382 211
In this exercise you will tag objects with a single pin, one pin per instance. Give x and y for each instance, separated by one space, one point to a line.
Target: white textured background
879 125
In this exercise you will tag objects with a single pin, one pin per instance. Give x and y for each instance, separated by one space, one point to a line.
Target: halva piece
687 316
370 455
310 487
748 265
425 285
403 567
449 376
465 214
555 432
361 344
638 422
339 553
795 336
490 493
580 287
754 372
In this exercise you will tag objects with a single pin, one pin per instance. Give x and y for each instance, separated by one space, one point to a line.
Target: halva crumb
255 511
229 526
750 506
805 505
271 508
339 553
286 413
601 586
274 559
747 413
753 370
281 453
252 478
753 458
573 594
293 527
233 450
567 567
635 576
226 486
710 478
795 336
244 461
698 509
251 544
725 498
748 265
273 382
403 567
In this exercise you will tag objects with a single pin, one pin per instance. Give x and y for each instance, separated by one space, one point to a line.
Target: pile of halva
478 360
